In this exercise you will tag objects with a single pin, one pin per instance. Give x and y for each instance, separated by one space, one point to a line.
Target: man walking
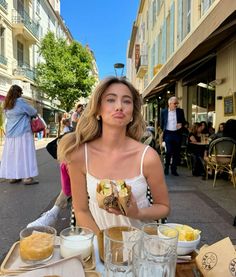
172 121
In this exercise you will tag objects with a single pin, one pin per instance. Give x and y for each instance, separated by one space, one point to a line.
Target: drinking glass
145 265
118 245
37 244
76 241
159 246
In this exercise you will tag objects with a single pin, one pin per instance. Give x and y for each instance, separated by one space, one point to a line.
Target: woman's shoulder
78 154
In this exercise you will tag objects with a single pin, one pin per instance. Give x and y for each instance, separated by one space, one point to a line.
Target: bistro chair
185 156
221 157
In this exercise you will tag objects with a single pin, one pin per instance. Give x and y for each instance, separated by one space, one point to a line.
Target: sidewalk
195 202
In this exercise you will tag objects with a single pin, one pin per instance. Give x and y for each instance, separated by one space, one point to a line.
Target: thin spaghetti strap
86 156
141 165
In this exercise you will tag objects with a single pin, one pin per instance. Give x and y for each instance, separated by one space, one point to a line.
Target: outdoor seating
185 156
221 157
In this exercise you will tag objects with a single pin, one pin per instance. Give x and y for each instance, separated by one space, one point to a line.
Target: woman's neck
113 138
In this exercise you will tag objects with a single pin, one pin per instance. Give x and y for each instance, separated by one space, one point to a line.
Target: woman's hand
132 211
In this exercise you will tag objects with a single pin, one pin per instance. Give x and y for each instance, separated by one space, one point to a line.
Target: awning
218 25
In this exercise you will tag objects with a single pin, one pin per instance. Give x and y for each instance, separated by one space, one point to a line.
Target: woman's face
116 105
221 128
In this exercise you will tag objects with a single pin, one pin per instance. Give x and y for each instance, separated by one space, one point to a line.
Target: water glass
118 245
145 265
159 246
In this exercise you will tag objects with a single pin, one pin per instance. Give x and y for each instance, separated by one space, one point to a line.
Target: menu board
229 105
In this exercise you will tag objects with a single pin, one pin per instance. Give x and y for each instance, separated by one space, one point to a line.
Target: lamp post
119 66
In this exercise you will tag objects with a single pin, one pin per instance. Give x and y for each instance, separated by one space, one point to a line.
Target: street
20 204
193 201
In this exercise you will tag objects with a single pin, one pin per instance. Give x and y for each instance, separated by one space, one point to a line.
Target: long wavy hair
89 127
13 93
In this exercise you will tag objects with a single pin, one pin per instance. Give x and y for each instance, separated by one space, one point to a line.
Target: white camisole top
104 219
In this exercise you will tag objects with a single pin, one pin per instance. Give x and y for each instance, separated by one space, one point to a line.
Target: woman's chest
114 166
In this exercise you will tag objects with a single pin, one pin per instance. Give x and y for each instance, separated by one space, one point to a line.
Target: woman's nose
118 106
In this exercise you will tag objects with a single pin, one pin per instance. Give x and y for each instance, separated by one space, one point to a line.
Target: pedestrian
66 125
106 145
172 122
19 156
76 115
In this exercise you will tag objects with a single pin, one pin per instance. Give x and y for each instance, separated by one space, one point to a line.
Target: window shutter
180 18
163 58
172 28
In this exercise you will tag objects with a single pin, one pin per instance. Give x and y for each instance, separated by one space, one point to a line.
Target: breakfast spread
37 246
114 195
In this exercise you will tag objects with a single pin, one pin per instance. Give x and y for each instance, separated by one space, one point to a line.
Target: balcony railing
22 16
142 66
24 70
4 4
3 60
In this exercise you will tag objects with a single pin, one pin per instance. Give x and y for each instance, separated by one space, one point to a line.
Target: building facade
23 24
185 48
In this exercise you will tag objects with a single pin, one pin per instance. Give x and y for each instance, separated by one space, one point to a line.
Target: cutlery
186 258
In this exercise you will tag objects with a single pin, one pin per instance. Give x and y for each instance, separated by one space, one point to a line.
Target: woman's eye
127 101
110 100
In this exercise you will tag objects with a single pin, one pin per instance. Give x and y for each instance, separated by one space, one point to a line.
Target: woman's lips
118 115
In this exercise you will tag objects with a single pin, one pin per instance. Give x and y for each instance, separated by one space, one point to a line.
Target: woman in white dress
106 146
19 157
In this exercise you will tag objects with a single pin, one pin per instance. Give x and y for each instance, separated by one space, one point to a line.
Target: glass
118 245
159 246
37 244
76 241
145 265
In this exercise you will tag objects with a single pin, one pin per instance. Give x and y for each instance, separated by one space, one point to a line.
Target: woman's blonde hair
89 127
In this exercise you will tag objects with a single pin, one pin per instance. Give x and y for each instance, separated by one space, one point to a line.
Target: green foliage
65 74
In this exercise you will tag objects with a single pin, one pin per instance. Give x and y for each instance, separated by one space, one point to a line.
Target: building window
20 53
48 23
143 31
160 47
172 28
2 41
205 4
168 36
184 19
38 7
147 19
154 13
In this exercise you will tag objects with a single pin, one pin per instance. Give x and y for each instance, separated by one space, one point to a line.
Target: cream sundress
104 219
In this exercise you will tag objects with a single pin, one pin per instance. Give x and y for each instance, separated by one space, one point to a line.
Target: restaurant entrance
201 93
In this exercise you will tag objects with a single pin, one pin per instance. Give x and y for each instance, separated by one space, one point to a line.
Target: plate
13 263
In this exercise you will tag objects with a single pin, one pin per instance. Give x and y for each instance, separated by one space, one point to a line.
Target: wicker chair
221 157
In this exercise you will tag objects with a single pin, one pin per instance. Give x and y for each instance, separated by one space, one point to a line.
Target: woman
106 146
197 150
19 157
76 115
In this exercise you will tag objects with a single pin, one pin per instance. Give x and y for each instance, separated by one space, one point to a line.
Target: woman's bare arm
77 174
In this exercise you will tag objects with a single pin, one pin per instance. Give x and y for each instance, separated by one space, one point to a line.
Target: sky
105 25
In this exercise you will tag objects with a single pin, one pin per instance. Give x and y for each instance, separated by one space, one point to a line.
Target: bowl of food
188 238
37 244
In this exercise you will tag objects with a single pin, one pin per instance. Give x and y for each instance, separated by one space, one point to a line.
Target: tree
65 73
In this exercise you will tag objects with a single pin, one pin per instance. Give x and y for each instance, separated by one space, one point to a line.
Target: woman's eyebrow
115 95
